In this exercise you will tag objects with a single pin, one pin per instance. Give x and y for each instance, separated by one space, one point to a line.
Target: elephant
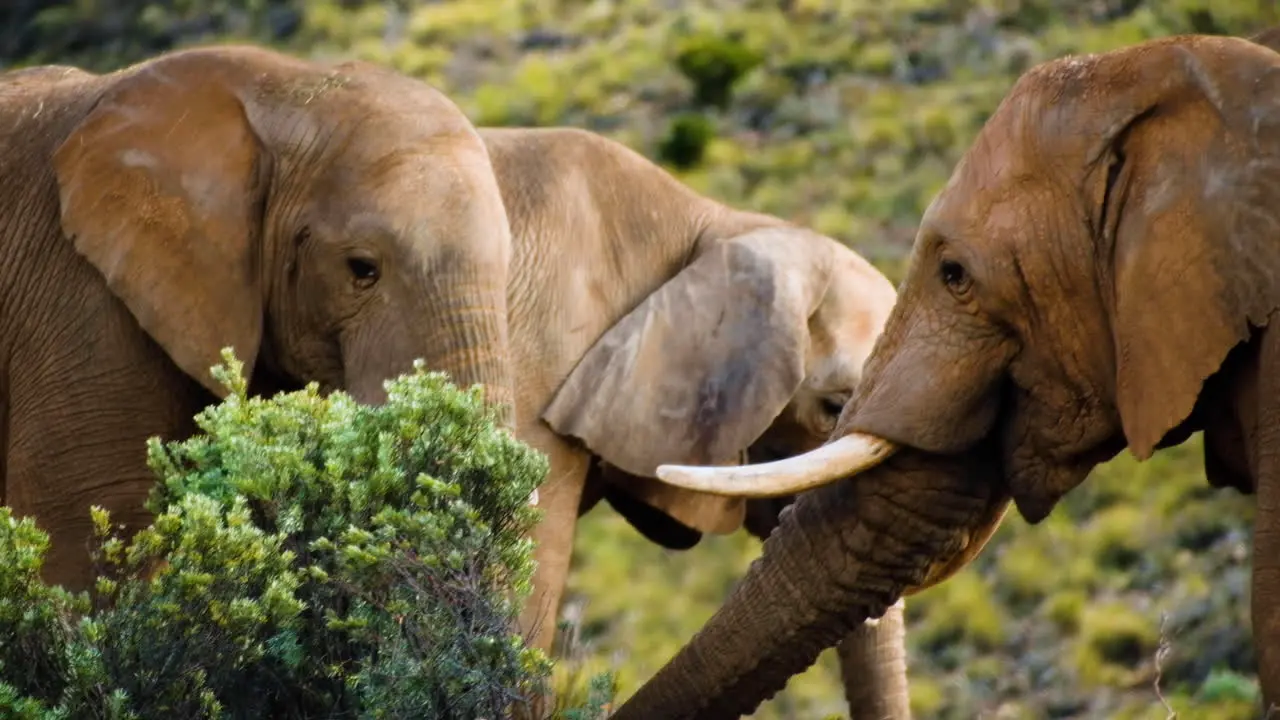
651 324
1098 274
225 196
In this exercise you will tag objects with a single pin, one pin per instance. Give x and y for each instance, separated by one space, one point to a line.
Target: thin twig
1162 651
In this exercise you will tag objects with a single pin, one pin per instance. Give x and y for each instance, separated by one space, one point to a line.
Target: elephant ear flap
700 369
160 191
1191 210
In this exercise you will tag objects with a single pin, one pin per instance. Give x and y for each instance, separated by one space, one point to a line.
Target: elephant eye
363 270
832 406
955 276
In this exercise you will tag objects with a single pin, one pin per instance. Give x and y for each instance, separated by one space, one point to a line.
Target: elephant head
330 223
752 349
1100 258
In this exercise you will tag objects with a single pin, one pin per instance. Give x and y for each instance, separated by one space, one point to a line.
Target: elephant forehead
442 181
351 91
362 127
440 163
992 205
300 89
1010 155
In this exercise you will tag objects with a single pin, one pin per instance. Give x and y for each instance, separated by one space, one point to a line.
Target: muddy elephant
650 324
299 213
1099 273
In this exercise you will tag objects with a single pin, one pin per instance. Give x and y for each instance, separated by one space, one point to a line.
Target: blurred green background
847 116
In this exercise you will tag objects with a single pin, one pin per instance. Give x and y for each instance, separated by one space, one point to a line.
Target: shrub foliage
309 557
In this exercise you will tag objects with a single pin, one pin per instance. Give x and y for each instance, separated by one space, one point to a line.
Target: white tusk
533 497
847 456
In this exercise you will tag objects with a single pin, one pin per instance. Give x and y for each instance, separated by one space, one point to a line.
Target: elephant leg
1266 591
4 447
558 499
873 667
873 656
77 437
1265 602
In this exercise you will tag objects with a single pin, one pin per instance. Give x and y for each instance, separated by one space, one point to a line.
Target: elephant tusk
847 456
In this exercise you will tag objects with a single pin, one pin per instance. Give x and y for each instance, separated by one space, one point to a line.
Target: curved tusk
847 456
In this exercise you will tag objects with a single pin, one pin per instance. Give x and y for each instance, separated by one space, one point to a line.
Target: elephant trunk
846 552
748 650
873 657
469 341
453 314
459 329
873 667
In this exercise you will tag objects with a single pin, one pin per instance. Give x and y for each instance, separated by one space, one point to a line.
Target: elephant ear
699 370
159 190
1190 201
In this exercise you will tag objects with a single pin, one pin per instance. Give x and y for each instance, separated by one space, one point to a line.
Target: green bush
1114 640
714 65
1229 685
310 557
686 140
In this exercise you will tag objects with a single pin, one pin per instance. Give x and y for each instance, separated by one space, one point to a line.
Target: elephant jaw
972 544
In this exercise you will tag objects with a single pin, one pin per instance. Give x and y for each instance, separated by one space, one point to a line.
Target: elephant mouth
971 544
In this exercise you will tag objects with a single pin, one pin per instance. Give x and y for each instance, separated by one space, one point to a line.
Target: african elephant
300 213
650 324
1098 273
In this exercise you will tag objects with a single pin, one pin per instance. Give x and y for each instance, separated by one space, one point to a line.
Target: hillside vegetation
847 116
